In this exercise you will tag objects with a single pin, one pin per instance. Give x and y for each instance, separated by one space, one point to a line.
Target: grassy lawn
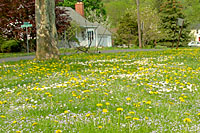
136 92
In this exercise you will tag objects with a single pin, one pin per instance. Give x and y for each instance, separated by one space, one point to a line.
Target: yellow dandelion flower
198 114
18 131
88 115
70 100
128 117
33 106
3 116
50 95
119 109
58 131
23 118
19 93
128 98
99 105
55 121
100 127
107 103
135 118
147 109
66 111
26 99
104 110
131 112
106 93
86 91
187 113
156 92
35 123
148 102
187 120
146 118
151 92
1 102
14 122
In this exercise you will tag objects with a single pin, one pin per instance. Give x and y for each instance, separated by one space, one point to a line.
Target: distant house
92 34
195 32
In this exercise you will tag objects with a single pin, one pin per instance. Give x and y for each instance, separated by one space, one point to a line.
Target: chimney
79 7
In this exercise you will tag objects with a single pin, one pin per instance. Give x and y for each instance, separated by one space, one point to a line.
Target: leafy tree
151 22
94 5
14 13
116 9
191 8
170 11
127 30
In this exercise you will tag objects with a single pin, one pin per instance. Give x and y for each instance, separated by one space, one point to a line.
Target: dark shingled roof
83 22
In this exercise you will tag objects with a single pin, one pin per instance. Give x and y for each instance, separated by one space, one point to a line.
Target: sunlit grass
122 92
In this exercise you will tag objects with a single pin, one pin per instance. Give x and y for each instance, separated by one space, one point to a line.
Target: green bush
160 47
10 46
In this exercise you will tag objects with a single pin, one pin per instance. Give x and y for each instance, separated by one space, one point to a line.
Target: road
105 51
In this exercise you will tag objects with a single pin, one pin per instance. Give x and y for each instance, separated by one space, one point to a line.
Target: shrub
1 42
10 46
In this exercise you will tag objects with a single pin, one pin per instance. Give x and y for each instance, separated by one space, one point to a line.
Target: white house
195 32
93 34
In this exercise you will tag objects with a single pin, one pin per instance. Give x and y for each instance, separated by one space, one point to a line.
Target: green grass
155 91
7 55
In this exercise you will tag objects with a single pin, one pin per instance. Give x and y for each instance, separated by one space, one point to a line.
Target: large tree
127 30
46 29
14 12
170 11
94 5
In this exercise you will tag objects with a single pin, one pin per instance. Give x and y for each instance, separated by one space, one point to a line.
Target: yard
123 92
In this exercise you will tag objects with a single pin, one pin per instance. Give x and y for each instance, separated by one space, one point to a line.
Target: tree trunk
46 30
139 26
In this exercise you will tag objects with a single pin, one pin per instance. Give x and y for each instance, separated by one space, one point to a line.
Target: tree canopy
94 5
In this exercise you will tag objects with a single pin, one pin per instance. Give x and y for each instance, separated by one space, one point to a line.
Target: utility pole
139 26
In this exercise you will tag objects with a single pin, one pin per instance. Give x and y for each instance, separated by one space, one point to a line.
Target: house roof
83 22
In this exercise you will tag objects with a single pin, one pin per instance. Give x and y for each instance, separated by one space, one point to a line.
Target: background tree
116 9
152 31
94 5
14 13
170 11
46 30
127 30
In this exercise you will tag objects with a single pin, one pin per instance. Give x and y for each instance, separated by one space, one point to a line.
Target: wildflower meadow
135 92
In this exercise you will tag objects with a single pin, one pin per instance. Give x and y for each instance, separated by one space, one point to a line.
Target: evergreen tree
94 5
170 11
127 30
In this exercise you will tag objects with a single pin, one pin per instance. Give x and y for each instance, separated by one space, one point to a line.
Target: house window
90 35
83 35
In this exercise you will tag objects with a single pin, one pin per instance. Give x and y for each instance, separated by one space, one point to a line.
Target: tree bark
46 30
139 24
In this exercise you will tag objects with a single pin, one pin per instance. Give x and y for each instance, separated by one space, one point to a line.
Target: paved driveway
105 51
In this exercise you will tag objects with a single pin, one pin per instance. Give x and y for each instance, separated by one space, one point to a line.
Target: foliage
10 46
116 9
13 16
151 22
127 30
94 5
70 33
170 11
